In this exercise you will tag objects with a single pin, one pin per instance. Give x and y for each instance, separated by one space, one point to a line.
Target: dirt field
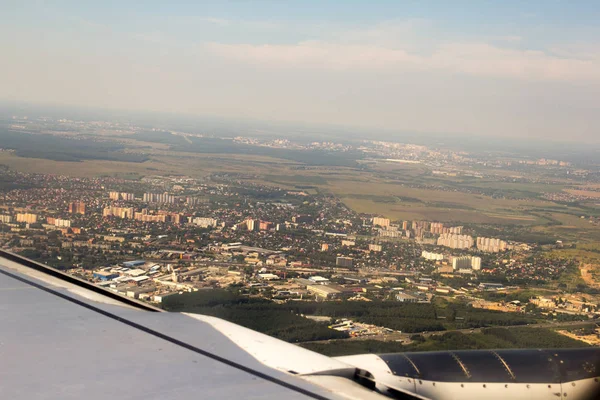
589 273
589 339
586 193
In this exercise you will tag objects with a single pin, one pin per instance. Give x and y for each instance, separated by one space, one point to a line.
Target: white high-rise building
27 217
62 223
204 222
379 221
455 241
432 256
492 245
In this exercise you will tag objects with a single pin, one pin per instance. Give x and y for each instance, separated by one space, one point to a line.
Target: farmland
399 191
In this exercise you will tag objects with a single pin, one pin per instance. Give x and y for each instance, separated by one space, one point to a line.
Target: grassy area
296 179
398 201
193 165
587 272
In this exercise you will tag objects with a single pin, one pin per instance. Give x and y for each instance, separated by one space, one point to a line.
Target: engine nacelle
569 374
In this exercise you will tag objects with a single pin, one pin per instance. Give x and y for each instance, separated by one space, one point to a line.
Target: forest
59 148
254 313
286 320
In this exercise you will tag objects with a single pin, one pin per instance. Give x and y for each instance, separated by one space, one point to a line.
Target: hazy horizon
523 71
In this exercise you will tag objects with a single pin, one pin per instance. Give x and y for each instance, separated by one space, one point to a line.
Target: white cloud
472 58
315 54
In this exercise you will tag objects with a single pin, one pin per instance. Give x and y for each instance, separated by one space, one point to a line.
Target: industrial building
324 291
406 298
319 280
135 263
105 275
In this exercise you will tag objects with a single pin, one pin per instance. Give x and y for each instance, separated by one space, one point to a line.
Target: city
159 237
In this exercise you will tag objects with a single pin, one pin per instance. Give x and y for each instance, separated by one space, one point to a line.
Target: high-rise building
62 223
77 207
432 256
324 247
265 225
204 222
476 263
492 245
379 221
174 218
456 230
144 217
302 219
404 225
127 196
120 212
436 227
455 241
192 201
463 262
375 247
388 233
345 262
5 219
121 196
159 198
27 218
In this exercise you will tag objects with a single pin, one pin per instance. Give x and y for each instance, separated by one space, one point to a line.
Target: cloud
215 21
315 54
396 48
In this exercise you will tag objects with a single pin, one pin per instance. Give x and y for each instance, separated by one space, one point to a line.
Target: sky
501 68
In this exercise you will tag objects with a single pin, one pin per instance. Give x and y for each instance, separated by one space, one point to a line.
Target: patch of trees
272 318
59 148
258 314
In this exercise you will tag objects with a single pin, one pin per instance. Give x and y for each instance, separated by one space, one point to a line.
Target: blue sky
508 68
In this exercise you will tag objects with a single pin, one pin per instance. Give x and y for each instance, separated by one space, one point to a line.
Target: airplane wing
65 338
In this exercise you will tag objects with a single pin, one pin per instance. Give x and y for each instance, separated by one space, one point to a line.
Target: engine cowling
491 374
